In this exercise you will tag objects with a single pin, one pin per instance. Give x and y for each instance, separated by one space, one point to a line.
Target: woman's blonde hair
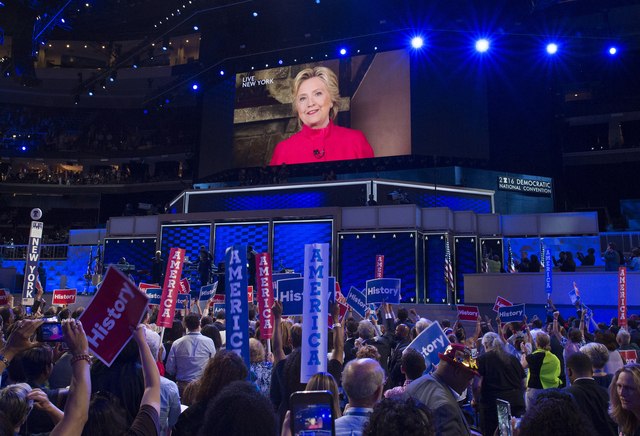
626 419
323 381
543 342
256 351
330 80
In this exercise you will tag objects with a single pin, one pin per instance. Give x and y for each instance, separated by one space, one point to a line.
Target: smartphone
49 332
27 310
312 413
504 417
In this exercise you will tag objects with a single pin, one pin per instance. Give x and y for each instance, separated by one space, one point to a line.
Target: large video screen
374 100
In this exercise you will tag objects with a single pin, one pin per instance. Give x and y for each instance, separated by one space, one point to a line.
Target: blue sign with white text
154 295
511 313
207 292
290 292
357 300
383 289
548 273
183 301
429 343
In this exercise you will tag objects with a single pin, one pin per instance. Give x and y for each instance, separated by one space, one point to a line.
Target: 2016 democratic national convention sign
117 305
315 311
236 302
431 342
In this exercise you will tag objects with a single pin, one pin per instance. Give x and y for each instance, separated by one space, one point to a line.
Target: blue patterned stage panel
357 258
256 235
421 269
465 263
257 199
427 198
187 236
138 251
290 238
435 284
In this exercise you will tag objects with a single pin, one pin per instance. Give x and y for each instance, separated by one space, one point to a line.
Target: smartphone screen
312 413
28 310
504 417
49 332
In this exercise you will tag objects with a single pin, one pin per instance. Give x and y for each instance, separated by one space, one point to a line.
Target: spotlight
482 45
90 94
417 42
613 51
343 51
145 111
552 48
167 101
24 148
222 72
62 20
195 87
195 28
111 79
255 14
280 61
164 48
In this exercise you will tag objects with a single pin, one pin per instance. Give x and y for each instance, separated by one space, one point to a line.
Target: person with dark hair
554 413
157 269
211 331
589 259
64 314
105 414
190 354
501 376
239 410
534 264
205 320
251 268
400 417
569 265
402 338
412 366
223 369
593 400
204 265
170 336
350 342
612 259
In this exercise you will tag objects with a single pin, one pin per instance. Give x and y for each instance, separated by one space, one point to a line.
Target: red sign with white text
622 297
379 266
171 288
501 302
4 300
64 296
468 313
185 286
265 294
629 356
219 298
116 306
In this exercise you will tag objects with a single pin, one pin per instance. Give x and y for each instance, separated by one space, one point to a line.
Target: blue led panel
190 237
357 257
290 238
464 263
256 235
138 252
435 284
427 198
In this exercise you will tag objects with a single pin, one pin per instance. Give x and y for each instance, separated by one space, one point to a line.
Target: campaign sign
383 289
236 304
332 290
548 271
209 291
171 288
290 293
573 296
343 311
315 310
116 306
183 301
265 294
357 300
511 313
218 307
338 294
622 296
64 296
4 296
218 298
429 343
501 302
379 266
275 278
468 313
153 293
629 356
31 265
374 308
185 286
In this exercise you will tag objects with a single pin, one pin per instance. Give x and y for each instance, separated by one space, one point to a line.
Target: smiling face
314 103
628 392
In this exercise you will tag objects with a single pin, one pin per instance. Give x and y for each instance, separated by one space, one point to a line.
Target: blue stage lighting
280 61
417 42
195 28
195 87
24 148
111 79
62 20
145 111
482 45
552 48
255 14
164 48
90 94
167 101
343 51
135 66
222 72
613 51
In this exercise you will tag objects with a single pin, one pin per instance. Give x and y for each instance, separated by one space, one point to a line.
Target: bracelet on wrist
80 357
336 324
5 361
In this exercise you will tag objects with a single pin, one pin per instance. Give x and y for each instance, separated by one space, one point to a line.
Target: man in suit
385 343
439 391
593 400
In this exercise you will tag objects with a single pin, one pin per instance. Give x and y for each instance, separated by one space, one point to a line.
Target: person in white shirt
190 354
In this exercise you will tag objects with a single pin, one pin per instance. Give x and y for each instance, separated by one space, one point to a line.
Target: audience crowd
561 376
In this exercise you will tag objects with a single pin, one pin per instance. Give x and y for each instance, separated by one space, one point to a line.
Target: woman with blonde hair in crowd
624 399
323 381
544 367
261 367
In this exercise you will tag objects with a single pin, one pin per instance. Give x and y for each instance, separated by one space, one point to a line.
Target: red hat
460 356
